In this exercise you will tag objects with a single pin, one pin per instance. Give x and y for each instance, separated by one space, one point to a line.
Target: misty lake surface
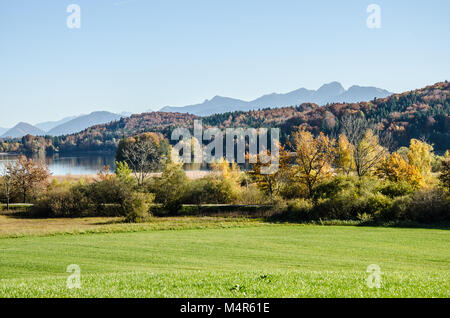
79 164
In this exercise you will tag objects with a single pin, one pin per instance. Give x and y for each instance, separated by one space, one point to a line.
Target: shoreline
194 174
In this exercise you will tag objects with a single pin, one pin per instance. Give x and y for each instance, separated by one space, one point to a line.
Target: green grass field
241 259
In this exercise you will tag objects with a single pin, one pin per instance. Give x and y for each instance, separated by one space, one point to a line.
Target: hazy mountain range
49 125
68 125
329 93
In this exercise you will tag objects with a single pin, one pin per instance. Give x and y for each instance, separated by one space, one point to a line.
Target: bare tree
354 127
143 157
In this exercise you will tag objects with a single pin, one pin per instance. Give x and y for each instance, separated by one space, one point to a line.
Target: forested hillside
420 114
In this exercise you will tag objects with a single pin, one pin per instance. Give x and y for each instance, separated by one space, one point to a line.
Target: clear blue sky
143 54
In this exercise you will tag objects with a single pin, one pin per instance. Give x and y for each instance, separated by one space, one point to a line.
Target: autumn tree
395 168
420 155
368 154
314 156
272 183
143 154
27 176
354 128
345 160
227 180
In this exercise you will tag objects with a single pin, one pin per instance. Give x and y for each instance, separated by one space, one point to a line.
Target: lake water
86 164
60 165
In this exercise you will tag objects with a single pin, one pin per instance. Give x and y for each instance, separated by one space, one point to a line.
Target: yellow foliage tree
228 176
313 158
395 168
272 183
368 153
420 155
345 161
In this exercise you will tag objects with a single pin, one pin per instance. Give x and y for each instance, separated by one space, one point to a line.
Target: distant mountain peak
334 84
331 89
23 129
83 122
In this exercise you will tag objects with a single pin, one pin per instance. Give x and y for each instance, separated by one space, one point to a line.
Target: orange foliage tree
28 176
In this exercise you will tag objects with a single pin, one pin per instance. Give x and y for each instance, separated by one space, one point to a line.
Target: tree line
353 176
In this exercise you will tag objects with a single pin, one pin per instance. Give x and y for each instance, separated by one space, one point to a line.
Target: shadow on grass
278 219
266 215
25 215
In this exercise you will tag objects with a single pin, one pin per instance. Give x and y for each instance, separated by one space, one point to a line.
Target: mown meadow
217 257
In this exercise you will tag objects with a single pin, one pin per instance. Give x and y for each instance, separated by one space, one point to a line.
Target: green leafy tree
171 186
445 171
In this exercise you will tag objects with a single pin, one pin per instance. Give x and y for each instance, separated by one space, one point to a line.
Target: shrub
347 205
398 210
108 195
396 189
136 207
224 187
377 204
335 187
445 173
252 195
62 200
300 209
345 198
427 206
210 190
292 190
